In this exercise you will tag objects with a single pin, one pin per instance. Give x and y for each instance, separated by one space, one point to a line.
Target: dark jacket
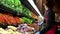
50 21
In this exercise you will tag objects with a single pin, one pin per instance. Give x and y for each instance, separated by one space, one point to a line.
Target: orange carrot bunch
8 19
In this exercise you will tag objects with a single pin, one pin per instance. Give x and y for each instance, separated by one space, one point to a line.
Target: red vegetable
1 18
12 20
17 19
6 19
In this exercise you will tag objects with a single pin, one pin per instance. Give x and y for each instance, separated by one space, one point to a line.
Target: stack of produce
34 16
15 5
15 30
11 20
9 31
25 24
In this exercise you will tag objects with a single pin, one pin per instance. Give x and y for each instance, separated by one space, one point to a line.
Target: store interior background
56 9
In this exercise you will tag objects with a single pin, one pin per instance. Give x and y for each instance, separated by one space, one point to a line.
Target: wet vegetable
16 5
27 20
9 19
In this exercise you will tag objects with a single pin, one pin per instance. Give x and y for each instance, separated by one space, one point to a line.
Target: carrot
6 19
21 20
1 18
12 20
17 19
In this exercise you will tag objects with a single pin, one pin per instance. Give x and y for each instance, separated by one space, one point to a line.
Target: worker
49 18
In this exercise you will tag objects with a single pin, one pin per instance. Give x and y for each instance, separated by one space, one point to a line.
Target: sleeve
50 21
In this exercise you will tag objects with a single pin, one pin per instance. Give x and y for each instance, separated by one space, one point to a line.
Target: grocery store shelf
13 12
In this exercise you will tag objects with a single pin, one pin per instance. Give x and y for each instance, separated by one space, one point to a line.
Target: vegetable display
25 25
9 31
25 22
14 30
9 19
16 5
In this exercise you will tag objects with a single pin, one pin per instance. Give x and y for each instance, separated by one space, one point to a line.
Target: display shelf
13 12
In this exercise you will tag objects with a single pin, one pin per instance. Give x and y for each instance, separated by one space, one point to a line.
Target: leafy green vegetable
26 20
16 5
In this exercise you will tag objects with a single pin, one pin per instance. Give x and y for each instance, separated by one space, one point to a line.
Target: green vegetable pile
16 5
27 20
